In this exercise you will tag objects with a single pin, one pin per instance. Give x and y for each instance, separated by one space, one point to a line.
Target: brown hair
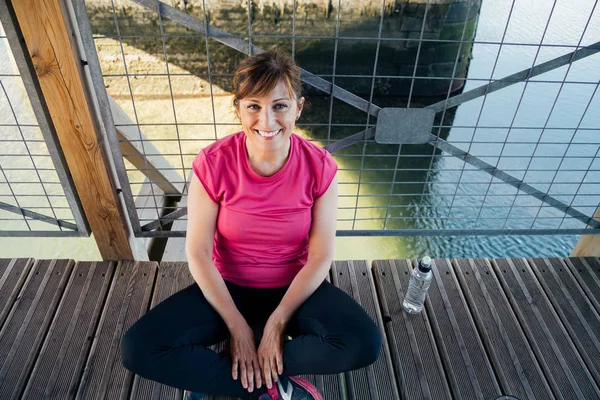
259 74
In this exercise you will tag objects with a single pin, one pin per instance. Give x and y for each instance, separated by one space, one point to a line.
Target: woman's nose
266 116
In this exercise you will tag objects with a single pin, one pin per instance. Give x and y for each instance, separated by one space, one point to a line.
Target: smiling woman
268 108
262 209
268 122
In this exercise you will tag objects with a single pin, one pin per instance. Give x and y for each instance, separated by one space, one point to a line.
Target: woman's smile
268 135
268 121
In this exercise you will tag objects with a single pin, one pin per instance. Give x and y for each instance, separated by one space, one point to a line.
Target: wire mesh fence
36 197
513 148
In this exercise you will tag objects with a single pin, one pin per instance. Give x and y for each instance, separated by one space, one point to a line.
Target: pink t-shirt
261 238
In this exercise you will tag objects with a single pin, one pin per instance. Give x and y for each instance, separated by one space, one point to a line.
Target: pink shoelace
273 392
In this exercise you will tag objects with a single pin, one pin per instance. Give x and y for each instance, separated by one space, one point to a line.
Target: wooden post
57 66
588 245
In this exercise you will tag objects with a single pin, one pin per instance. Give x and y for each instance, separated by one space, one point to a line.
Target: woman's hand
270 351
243 353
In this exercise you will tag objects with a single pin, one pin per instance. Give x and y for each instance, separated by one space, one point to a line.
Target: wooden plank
128 299
219 397
573 307
172 277
331 386
415 357
547 335
377 380
58 69
513 359
59 366
23 333
13 273
587 273
416 360
468 368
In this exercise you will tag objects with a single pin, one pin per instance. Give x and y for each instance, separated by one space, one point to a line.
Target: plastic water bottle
418 285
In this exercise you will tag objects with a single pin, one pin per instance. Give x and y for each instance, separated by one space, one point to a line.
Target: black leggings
330 333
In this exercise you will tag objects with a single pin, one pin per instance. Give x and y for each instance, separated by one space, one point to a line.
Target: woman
262 209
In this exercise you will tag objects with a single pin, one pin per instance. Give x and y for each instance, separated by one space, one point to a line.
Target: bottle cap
425 264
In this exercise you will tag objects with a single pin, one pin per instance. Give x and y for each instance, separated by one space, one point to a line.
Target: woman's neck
267 162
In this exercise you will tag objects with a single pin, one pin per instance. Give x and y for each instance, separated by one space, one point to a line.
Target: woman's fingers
268 365
279 360
243 356
257 377
266 368
250 376
273 369
234 368
243 374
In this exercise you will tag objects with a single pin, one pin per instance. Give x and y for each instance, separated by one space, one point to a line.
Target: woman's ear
300 105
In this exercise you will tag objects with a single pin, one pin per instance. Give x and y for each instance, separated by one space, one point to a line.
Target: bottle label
417 290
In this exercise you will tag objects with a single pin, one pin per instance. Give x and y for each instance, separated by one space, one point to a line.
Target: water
527 24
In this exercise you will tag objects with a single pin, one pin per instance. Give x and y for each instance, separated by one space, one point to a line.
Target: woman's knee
134 350
374 344
369 342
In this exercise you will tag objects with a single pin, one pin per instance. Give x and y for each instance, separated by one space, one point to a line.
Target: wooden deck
527 328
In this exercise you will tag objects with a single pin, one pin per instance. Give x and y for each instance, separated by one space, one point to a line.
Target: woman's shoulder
224 145
222 152
321 164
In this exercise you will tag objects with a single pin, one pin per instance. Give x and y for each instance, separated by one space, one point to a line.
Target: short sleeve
327 174
203 171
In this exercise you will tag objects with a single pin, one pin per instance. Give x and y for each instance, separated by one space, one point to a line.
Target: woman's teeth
268 133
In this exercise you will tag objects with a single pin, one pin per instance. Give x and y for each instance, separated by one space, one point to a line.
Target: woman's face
269 120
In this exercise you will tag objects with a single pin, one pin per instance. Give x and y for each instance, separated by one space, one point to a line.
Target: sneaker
292 388
189 395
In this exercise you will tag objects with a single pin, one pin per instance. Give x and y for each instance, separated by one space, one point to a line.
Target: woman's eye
253 107
280 106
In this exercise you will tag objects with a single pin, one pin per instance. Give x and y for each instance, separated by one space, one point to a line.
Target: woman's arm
320 254
202 221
